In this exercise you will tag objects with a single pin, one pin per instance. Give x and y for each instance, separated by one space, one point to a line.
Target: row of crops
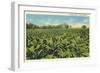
57 43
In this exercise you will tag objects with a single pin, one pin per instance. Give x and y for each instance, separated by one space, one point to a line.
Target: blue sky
56 19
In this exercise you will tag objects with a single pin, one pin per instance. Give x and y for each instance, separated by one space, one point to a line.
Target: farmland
57 43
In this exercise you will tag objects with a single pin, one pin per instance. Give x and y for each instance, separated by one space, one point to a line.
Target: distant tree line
34 26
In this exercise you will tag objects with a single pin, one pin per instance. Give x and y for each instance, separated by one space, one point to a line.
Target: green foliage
31 26
34 26
84 27
57 43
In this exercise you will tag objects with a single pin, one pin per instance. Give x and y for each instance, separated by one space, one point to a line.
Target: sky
56 19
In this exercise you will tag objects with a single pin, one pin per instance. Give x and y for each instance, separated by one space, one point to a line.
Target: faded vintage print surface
56 36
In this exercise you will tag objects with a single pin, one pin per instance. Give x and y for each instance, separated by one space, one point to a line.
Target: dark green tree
84 27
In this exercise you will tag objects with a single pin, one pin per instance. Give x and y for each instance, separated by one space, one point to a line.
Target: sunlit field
57 43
